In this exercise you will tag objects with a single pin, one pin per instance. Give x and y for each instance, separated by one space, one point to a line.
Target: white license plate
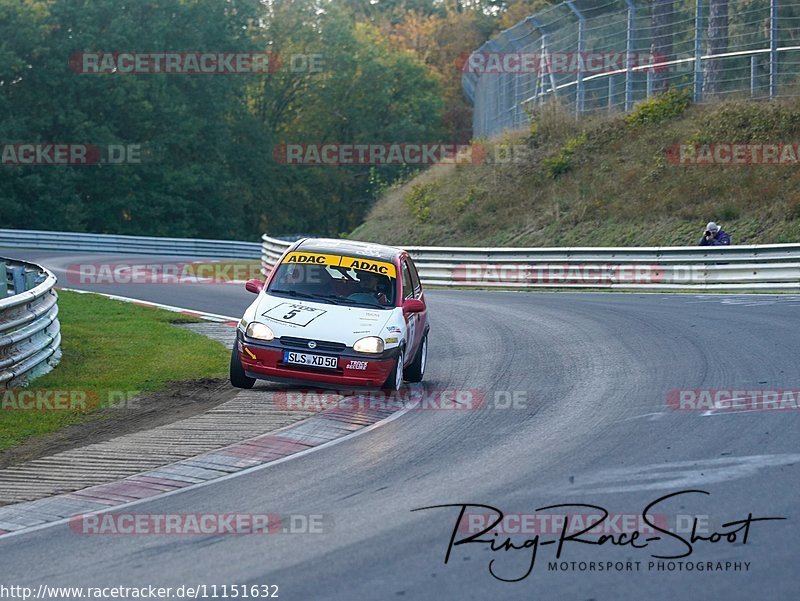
310 360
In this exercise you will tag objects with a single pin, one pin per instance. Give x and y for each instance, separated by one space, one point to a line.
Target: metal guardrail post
18 279
30 334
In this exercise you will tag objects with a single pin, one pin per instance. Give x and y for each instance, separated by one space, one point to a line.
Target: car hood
319 320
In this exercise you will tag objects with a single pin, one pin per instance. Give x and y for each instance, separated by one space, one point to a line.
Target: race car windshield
336 284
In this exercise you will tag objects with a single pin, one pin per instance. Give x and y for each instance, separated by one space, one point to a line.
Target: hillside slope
611 181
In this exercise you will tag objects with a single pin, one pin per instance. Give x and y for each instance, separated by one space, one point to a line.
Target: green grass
605 181
113 347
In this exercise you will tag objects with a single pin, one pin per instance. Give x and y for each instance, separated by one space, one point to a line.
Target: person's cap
712 227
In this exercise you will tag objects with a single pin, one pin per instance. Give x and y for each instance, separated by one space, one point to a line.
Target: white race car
335 312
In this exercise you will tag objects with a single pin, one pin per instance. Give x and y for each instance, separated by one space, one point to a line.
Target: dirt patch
178 401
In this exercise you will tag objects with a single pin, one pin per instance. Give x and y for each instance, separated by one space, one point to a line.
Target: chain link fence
601 55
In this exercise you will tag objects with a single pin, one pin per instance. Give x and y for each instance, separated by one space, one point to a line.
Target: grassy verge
605 181
111 351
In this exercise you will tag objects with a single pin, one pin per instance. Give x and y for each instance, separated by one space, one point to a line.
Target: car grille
322 345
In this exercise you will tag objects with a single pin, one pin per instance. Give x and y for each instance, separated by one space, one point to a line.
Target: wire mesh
607 55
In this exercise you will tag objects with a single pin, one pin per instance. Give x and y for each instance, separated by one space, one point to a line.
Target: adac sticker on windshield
312 258
379 267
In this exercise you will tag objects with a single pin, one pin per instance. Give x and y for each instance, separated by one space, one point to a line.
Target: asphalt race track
592 372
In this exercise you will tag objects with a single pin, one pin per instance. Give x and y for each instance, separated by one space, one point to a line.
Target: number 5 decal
293 313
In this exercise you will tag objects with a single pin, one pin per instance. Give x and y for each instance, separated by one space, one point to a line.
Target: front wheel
395 379
416 370
239 379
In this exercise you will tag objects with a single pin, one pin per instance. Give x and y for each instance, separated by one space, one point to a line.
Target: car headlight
259 331
370 344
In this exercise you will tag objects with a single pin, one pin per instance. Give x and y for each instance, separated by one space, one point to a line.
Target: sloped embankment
610 181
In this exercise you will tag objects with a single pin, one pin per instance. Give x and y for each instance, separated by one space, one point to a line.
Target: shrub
551 121
562 161
471 196
419 200
663 107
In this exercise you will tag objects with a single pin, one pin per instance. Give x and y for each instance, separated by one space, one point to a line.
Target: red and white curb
330 427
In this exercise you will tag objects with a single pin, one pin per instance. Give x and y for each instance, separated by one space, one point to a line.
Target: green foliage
562 162
744 122
662 107
208 168
419 200
460 204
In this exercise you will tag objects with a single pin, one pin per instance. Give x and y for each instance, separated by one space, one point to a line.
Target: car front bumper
264 360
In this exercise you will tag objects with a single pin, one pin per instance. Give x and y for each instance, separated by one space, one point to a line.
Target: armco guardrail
142 245
762 268
30 336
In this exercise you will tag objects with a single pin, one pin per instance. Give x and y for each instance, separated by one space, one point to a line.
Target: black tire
395 380
416 371
239 379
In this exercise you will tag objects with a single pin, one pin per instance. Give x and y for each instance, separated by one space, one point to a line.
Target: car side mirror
413 305
255 285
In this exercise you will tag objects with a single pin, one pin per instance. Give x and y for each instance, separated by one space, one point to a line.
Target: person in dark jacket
715 236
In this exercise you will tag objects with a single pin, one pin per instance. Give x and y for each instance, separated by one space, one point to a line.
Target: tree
661 31
717 44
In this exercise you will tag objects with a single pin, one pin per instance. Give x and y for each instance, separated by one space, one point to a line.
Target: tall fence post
546 61
538 24
610 93
698 51
579 92
629 55
753 76
773 48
